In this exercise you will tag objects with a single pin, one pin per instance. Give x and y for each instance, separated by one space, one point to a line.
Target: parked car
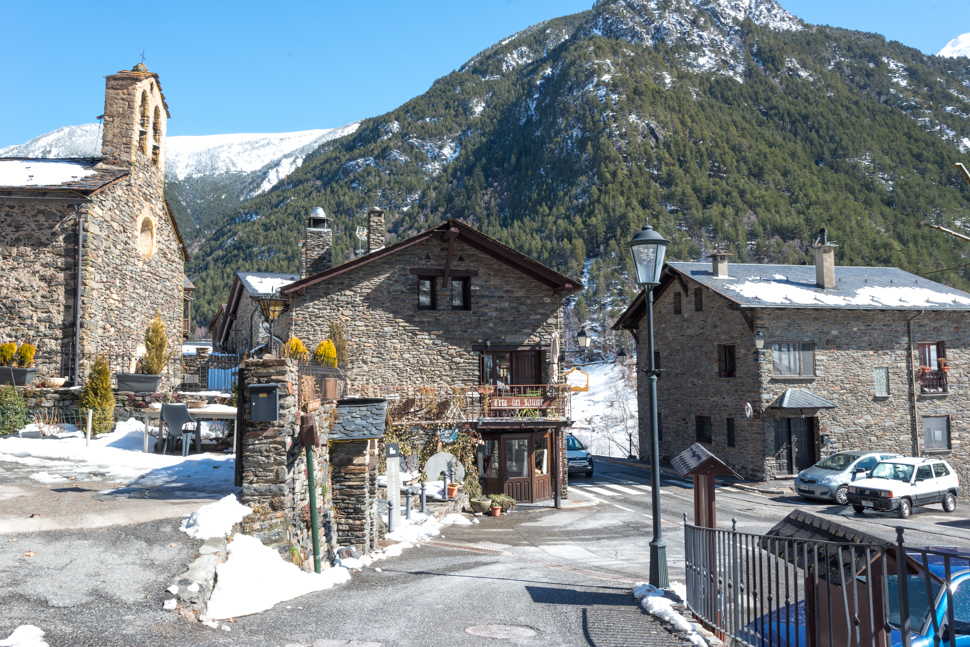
578 458
830 477
902 483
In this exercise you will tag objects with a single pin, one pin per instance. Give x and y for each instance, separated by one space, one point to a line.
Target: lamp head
648 248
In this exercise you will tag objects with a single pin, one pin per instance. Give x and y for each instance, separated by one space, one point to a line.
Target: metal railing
933 381
61 364
328 383
55 421
429 404
788 592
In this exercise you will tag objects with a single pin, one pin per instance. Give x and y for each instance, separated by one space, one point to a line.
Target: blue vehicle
788 626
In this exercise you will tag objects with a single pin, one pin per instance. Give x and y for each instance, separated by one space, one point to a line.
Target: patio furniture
210 412
177 416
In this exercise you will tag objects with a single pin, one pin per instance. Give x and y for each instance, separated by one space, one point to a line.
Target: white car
901 483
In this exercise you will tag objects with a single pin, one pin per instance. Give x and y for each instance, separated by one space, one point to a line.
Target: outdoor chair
177 417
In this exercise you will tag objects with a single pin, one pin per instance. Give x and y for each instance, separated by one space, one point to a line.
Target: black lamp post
648 248
272 307
584 340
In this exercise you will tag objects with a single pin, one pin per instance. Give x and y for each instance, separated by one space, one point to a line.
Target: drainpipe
76 368
914 427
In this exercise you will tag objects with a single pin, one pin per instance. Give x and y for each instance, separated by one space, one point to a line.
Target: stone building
447 311
106 216
852 358
239 327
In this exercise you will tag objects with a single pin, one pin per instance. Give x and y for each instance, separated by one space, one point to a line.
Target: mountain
959 46
206 176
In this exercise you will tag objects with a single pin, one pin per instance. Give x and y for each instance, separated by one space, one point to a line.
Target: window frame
798 352
698 300
466 293
731 430
433 289
875 386
723 366
701 422
678 302
947 441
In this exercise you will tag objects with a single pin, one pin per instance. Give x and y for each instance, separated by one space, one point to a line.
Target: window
488 459
793 359
144 110
930 354
427 299
698 300
731 440
867 463
881 377
936 433
703 429
940 470
154 155
924 473
157 126
146 237
541 467
678 303
726 363
461 297
143 141
516 458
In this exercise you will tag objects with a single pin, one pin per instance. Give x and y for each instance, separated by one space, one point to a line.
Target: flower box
17 376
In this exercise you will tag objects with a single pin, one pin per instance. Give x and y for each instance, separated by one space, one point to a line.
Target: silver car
830 477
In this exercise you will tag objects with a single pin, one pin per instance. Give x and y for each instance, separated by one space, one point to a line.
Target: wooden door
782 446
516 467
542 458
803 441
526 367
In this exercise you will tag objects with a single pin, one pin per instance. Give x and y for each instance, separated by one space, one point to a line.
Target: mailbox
265 400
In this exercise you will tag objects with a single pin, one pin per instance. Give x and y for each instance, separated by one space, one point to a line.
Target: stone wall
274 469
354 480
849 345
392 342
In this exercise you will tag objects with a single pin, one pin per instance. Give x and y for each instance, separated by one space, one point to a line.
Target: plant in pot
17 364
152 363
503 501
476 501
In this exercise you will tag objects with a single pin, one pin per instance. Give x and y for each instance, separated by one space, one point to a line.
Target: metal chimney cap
318 212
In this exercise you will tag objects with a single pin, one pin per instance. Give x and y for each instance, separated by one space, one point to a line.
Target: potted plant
503 501
496 510
17 364
481 505
152 363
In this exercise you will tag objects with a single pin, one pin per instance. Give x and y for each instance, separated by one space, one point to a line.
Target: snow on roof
793 286
37 173
265 282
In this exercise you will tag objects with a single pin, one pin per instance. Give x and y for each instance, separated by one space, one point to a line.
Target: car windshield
892 471
573 443
919 605
836 462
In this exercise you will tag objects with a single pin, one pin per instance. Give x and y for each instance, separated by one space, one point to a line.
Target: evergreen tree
156 347
98 395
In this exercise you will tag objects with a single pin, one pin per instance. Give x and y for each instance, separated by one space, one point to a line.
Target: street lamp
648 248
621 357
584 340
759 340
272 307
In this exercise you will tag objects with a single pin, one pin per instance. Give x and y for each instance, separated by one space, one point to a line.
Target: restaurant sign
523 402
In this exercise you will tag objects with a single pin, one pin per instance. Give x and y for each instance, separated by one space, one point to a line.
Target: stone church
89 250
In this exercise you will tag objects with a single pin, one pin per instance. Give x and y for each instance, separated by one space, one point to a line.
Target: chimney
376 231
318 245
719 258
824 260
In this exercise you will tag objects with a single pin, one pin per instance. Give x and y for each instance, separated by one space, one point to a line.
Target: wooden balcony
488 405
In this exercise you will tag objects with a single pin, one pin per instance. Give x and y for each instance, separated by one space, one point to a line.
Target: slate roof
801 399
360 418
88 184
695 456
793 286
257 283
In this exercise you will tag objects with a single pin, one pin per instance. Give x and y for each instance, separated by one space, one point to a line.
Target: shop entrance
518 464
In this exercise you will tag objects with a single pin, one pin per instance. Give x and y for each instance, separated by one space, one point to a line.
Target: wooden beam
451 248
450 235
683 283
433 271
748 318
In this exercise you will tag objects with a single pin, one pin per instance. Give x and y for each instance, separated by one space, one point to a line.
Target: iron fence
774 591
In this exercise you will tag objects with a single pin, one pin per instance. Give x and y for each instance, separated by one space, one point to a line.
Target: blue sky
294 65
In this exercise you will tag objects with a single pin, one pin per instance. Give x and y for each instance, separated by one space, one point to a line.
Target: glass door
518 468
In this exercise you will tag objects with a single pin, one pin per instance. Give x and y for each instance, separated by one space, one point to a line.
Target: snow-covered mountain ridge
959 46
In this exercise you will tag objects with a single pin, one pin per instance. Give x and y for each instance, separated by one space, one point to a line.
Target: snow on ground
117 457
653 601
215 519
25 636
40 172
606 414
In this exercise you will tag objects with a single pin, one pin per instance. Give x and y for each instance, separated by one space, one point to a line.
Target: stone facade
392 342
355 494
131 254
849 345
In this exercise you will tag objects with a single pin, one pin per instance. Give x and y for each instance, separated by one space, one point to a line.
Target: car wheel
905 507
859 508
949 502
842 495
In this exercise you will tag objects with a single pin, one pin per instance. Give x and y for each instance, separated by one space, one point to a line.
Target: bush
294 349
25 356
7 352
339 343
13 410
504 501
156 345
97 395
325 354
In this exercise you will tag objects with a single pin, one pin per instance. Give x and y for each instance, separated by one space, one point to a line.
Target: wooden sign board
577 380
523 402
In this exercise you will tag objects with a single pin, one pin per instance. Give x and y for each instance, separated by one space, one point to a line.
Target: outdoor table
208 412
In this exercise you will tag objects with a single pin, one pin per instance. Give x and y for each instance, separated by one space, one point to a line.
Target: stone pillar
203 355
354 479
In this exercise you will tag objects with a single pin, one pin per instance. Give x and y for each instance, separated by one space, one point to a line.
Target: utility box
265 402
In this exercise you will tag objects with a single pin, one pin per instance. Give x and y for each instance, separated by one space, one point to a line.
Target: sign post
392 452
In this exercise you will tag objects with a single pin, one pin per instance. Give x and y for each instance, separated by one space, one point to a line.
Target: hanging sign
577 380
522 402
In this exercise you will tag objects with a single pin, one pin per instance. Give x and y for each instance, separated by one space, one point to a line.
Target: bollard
314 524
407 504
422 499
87 434
390 513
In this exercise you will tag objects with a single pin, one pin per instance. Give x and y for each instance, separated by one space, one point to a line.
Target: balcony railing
933 381
436 404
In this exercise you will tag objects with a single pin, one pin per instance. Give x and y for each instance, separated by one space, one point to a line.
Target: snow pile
653 602
254 579
25 636
606 415
41 172
215 519
959 46
421 527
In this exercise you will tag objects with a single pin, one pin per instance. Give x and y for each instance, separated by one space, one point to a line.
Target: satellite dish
748 411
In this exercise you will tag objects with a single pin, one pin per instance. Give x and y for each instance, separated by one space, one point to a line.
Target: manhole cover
502 632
